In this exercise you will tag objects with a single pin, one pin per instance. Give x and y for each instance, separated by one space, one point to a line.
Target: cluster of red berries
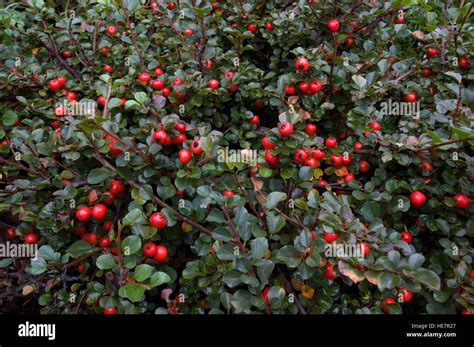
98 212
159 252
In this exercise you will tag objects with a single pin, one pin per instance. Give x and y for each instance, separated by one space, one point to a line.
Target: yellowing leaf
341 172
27 289
307 291
186 227
296 284
318 173
35 50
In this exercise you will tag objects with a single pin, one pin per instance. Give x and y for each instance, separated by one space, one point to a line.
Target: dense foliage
140 206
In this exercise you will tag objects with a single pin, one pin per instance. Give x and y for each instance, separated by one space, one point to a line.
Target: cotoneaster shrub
139 207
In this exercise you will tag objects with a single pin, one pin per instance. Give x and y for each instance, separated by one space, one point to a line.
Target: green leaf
258 247
131 245
79 248
370 210
142 272
274 198
132 216
360 81
113 103
133 292
38 266
98 175
159 278
289 256
428 278
416 260
105 262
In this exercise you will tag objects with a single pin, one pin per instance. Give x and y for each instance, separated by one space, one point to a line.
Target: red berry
158 220
331 142
300 156
107 225
68 54
375 126
385 303
302 64
108 68
196 147
349 177
330 237
213 84
358 146
462 201
11 233
285 129
184 156
54 84
255 120
171 6
31 238
157 84
229 75
310 129
432 52
228 193
158 71
111 30
303 87
233 88
266 144
346 159
271 159
104 50
177 140
399 20
112 149
90 238
364 166
318 154
116 187
290 89
311 162
99 211
315 86
406 294
160 137
83 214
252 28
105 242
187 32
110 310
101 100
149 249
144 77
417 198
406 237
180 126
329 272
463 62
427 72
427 166
365 248
59 111
333 25
269 26
161 253
410 97
265 295
61 80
